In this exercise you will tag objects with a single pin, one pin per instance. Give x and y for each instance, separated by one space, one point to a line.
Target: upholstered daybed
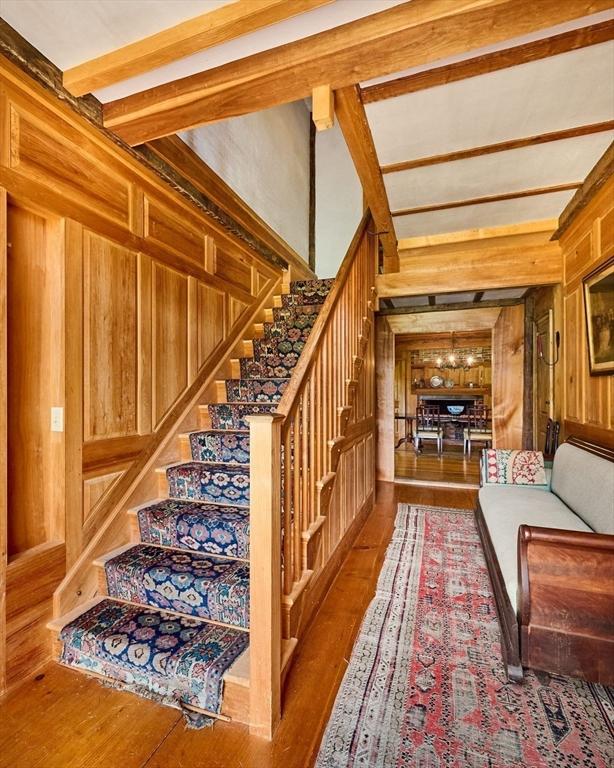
550 556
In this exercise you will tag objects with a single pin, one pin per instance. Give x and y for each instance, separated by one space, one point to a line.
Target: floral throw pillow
510 467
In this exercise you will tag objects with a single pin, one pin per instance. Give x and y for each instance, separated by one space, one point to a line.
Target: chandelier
453 360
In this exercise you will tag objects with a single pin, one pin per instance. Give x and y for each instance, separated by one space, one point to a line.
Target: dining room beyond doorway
443 405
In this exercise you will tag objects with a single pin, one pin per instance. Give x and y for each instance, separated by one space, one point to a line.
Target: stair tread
197 527
174 659
192 583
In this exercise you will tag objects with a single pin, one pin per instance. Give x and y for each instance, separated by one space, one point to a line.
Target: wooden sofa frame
564 622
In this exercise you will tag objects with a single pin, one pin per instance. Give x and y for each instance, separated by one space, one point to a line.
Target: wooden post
265 573
3 445
323 107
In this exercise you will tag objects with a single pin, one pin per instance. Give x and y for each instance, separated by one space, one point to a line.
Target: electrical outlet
57 419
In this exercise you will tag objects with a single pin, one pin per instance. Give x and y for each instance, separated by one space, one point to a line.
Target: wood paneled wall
121 297
508 353
588 401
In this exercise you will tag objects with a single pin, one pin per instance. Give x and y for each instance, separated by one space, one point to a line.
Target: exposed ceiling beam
478 233
491 62
218 26
406 35
353 123
448 307
488 199
424 341
502 146
442 322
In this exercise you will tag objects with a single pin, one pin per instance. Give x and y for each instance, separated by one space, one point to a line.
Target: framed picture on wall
599 309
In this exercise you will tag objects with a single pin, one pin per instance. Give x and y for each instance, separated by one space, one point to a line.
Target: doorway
464 364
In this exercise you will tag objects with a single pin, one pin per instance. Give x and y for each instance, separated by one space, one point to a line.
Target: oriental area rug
426 685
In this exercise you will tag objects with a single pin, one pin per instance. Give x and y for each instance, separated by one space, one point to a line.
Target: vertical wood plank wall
120 292
588 401
507 377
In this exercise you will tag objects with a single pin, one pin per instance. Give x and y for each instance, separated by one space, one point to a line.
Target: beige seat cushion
428 433
478 434
506 508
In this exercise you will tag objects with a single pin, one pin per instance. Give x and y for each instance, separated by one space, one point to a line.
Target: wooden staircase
285 453
189 551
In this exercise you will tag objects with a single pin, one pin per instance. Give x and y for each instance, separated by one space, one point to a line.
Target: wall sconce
540 349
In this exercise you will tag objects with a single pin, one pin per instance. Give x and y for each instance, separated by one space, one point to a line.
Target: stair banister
309 418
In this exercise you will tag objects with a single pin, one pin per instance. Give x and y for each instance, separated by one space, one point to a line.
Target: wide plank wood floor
62 719
427 467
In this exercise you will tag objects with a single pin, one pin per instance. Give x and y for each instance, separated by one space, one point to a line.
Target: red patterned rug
426 686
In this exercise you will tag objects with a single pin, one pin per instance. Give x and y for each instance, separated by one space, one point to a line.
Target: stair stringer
299 607
80 584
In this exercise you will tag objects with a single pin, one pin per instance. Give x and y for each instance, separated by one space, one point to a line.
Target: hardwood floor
62 719
451 467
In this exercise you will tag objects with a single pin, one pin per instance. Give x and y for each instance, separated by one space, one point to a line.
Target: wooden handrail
306 359
295 461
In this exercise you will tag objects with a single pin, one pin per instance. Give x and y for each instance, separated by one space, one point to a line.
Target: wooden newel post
265 573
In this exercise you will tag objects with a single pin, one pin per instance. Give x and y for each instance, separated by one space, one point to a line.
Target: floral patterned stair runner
224 445
198 527
193 583
173 659
153 635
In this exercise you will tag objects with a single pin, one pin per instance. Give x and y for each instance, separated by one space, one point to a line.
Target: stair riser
220 447
229 485
203 528
294 332
295 316
307 292
282 347
272 367
254 390
233 415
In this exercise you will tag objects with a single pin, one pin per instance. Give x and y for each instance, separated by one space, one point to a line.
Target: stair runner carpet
176 613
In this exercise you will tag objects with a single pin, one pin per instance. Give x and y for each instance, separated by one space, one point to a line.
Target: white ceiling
70 32
527 168
486 215
555 93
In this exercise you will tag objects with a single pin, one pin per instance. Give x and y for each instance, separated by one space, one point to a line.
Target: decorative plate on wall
436 381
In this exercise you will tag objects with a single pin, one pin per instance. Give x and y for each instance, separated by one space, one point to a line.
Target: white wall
264 157
338 201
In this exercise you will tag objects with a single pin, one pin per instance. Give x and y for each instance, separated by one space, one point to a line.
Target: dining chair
478 429
428 427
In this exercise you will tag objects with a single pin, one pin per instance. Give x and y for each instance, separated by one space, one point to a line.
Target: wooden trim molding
488 199
502 146
174 154
599 174
21 58
212 28
406 35
492 62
